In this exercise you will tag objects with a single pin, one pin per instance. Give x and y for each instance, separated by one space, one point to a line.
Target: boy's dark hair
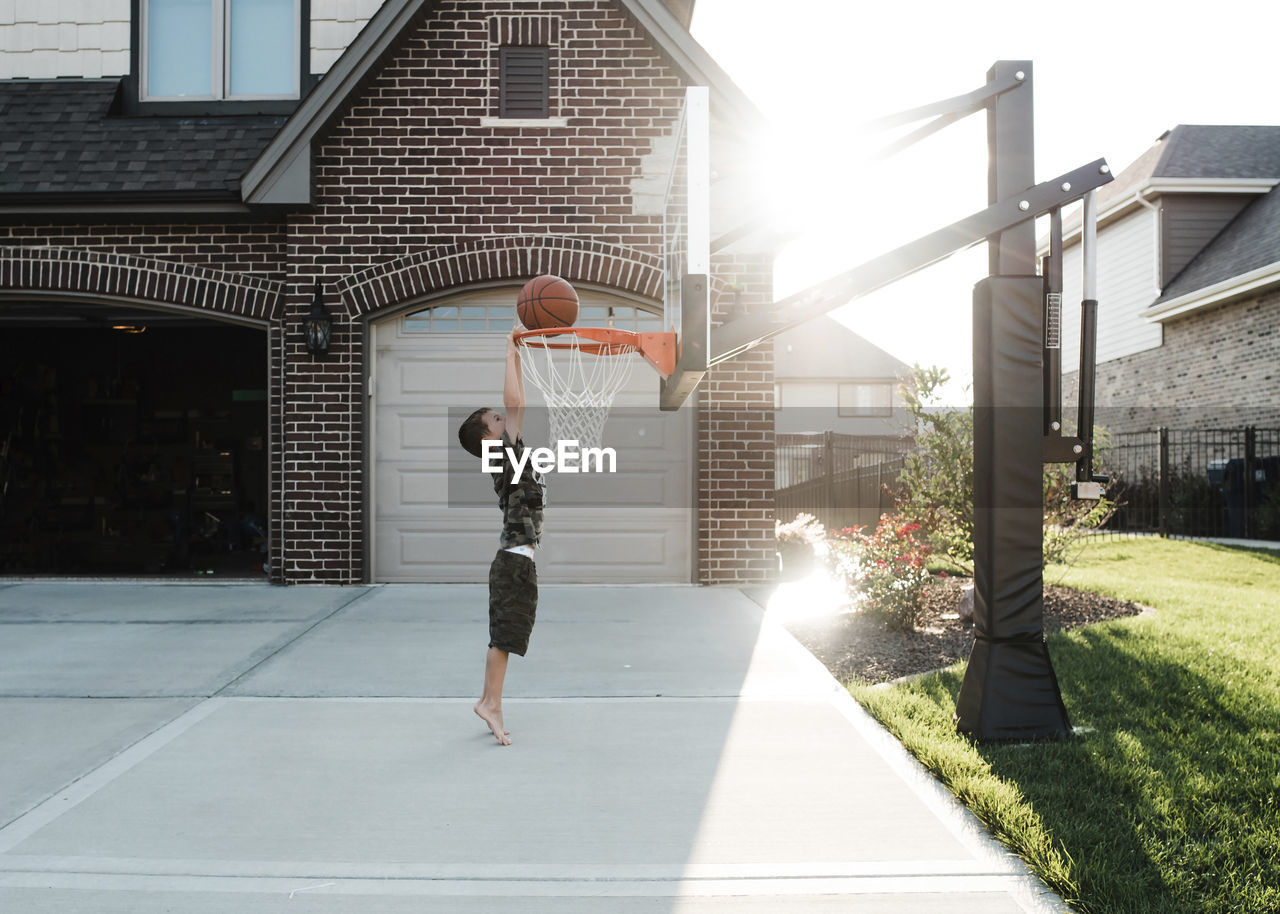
472 432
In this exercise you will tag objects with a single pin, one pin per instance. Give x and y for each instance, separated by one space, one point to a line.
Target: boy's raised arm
513 388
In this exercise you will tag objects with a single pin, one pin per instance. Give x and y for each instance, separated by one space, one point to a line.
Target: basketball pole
1010 690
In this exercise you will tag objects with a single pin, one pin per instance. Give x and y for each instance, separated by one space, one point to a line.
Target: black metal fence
1195 482
1171 482
837 478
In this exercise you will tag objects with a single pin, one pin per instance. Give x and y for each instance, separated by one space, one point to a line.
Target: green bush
935 488
1267 516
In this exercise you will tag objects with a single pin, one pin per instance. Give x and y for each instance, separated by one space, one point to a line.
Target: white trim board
1214 294
1136 196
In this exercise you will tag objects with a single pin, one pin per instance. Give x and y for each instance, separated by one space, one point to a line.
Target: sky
1109 79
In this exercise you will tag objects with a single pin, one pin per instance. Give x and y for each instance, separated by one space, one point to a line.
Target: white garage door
435 513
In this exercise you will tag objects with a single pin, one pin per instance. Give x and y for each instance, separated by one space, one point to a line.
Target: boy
513 577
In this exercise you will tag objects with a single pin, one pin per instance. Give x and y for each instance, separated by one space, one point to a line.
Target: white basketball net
578 386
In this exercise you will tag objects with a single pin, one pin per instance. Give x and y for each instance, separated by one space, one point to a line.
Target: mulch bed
855 645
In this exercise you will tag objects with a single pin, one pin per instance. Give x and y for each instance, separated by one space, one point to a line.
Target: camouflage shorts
513 601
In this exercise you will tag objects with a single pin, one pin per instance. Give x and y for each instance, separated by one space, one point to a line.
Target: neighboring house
1188 284
173 185
829 378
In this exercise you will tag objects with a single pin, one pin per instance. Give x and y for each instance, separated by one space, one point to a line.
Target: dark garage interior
131 443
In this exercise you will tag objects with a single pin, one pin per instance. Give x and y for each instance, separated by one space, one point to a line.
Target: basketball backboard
686 260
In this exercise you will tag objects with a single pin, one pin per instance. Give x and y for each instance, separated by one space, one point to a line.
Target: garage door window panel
498 318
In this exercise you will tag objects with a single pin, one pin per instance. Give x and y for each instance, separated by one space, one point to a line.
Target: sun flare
818 595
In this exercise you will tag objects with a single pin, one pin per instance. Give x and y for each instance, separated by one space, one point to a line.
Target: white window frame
863 412
220 77
804 389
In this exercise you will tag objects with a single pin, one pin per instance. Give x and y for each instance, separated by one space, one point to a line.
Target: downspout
1155 212
1158 259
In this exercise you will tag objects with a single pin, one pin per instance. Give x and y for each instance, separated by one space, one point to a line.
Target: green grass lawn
1168 797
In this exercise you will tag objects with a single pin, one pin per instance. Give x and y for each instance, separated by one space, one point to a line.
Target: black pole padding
1010 691
1088 371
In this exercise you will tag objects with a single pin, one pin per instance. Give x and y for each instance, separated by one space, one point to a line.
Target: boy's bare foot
493 717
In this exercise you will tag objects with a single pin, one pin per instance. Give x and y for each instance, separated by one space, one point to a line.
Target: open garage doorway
133 442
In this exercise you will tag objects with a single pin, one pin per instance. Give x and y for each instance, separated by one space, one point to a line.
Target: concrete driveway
243 748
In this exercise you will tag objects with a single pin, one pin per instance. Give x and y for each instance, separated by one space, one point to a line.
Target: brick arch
79 271
497 258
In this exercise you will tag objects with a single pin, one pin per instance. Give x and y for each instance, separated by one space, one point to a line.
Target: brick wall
413 164
255 248
410 165
1215 369
736 441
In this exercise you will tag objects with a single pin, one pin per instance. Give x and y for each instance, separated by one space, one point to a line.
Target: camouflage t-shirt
521 501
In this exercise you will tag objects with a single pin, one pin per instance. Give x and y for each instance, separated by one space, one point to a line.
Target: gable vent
525 80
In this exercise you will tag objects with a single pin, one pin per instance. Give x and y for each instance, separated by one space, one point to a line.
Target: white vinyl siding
43 39
334 25
1127 260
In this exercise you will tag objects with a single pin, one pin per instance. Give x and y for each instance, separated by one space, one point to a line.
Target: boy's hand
517 327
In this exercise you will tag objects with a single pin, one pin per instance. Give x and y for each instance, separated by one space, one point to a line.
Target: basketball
546 302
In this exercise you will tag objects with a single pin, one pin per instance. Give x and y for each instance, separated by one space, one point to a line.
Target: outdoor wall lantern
318 324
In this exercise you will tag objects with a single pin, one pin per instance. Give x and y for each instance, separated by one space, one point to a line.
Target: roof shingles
1200 151
61 139
1208 151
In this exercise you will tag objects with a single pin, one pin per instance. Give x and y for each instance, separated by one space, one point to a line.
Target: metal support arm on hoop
738 336
1060 448
944 112
962 104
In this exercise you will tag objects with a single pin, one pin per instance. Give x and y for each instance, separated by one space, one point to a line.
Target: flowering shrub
884 570
804 530
799 543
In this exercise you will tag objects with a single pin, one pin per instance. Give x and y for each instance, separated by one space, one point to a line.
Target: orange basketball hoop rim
658 349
